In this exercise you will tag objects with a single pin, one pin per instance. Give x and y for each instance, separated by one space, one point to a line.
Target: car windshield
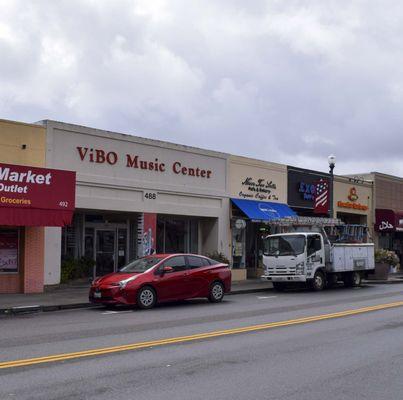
141 264
284 245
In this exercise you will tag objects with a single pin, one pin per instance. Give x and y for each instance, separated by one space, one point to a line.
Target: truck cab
295 257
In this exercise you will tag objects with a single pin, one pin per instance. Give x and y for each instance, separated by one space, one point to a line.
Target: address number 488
150 195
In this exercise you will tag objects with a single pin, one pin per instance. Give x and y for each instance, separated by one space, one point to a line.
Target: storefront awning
264 210
34 217
32 196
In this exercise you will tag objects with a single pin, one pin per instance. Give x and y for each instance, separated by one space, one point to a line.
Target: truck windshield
284 245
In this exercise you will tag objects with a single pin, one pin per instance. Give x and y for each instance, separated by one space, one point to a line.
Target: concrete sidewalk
69 297
76 296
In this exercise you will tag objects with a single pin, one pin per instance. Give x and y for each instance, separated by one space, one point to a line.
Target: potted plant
384 261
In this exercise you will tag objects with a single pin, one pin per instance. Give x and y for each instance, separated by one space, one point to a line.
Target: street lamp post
332 162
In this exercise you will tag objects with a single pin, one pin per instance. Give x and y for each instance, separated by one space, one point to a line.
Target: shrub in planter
72 269
384 260
220 257
384 256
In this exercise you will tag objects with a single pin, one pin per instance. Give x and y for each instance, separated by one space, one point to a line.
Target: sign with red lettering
29 188
99 156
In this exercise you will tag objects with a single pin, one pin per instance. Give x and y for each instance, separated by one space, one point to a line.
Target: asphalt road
344 356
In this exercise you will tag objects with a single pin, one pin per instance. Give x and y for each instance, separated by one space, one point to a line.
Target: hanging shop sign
31 196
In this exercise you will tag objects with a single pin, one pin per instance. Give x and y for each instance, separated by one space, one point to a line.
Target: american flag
322 197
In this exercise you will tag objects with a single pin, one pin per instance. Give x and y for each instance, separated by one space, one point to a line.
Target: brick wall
10 283
34 259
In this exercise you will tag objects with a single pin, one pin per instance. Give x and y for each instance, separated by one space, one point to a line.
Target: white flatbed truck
309 258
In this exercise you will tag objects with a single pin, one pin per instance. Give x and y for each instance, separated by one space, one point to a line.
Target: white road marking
266 297
116 312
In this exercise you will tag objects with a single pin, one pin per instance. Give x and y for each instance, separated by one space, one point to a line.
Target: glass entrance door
105 251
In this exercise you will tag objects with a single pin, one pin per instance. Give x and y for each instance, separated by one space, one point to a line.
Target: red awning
33 196
34 217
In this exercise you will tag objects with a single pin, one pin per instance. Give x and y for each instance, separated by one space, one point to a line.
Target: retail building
258 191
388 215
137 196
33 200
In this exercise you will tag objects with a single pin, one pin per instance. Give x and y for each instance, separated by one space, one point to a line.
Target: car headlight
124 282
299 269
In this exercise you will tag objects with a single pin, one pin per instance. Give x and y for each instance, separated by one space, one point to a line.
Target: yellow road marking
200 336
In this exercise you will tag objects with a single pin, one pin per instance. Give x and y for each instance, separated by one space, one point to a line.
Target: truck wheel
319 281
352 279
279 286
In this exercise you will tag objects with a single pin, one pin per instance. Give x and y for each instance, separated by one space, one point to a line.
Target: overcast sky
285 81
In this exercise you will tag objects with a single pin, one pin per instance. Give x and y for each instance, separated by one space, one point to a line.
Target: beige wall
389 192
15 134
199 190
257 180
344 191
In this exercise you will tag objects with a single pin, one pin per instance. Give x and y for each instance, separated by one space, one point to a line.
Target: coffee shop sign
259 189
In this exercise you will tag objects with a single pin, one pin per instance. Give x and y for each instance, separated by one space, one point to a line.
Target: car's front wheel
146 297
216 292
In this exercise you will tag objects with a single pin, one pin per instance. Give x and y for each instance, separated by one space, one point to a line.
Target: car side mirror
166 270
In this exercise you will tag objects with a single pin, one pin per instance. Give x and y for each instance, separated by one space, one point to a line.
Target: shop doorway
110 249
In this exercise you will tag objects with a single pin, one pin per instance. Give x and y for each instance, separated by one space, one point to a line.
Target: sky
278 80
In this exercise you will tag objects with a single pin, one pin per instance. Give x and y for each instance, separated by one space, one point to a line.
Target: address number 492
63 204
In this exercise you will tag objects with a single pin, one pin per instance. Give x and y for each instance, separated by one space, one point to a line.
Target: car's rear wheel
146 297
216 292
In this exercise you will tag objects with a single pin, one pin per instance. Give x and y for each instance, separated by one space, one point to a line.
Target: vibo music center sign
136 161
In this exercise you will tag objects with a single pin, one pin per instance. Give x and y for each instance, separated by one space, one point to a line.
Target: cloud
288 82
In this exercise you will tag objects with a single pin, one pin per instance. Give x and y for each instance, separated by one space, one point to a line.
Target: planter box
381 271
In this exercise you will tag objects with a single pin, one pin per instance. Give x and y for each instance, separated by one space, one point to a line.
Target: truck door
315 253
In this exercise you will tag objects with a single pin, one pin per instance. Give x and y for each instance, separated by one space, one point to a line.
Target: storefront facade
388 212
353 201
32 199
137 196
257 189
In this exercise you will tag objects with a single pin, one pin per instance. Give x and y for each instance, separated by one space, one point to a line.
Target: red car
163 277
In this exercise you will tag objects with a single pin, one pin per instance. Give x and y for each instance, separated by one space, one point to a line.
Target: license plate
97 295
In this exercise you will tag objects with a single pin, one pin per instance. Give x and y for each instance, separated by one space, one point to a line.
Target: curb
36 308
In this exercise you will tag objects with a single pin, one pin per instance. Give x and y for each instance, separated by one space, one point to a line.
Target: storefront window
177 235
9 251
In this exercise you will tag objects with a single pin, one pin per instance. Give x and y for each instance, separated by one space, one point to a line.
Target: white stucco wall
52 255
119 186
